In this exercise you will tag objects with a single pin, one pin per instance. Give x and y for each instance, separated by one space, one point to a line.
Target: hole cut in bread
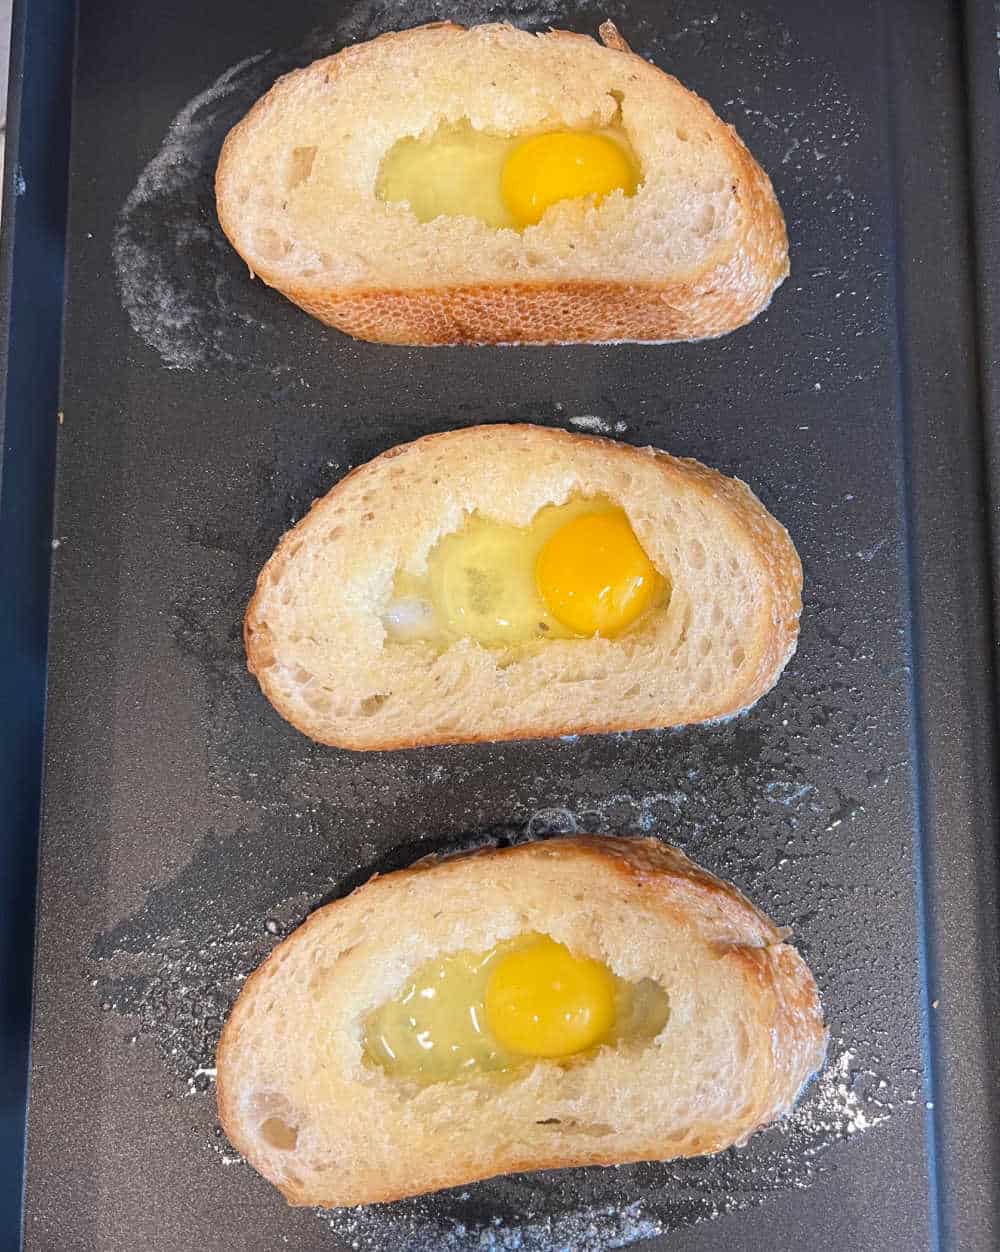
315 629
745 1030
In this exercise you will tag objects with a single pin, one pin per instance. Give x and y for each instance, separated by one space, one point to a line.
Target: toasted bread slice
696 252
315 633
299 1099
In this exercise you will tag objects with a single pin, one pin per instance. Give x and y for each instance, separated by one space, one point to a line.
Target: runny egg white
505 181
576 571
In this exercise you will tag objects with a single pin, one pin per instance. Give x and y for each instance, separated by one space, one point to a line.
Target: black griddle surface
187 828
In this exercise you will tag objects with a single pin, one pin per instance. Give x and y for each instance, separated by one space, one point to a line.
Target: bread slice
327 1127
315 638
696 252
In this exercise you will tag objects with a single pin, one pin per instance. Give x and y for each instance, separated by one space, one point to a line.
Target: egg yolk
542 1000
563 165
593 575
527 998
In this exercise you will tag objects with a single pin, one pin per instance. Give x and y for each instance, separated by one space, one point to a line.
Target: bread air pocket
504 582
581 1001
453 185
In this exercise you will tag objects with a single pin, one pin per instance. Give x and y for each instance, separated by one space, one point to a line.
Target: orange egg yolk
593 575
541 1000
563 165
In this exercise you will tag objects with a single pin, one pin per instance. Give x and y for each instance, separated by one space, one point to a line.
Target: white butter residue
598 425
168 248
201 1079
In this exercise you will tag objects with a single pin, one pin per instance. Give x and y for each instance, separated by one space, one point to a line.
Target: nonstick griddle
186 828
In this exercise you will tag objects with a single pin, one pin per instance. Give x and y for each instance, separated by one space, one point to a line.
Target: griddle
185 828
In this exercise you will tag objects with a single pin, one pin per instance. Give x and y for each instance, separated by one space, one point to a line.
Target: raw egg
528 998
577 570
503 180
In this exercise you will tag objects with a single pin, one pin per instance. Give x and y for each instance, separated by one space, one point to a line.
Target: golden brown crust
655 877
520 313
769 538
728 290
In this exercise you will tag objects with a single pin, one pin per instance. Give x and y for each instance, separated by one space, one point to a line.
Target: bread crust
643 874
730 287
722 496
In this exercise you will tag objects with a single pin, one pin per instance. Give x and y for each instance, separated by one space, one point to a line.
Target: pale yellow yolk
594 576
576 571
542 1000
563 165
488 1012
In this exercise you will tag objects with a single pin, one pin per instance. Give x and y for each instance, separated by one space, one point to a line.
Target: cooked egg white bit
409 619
